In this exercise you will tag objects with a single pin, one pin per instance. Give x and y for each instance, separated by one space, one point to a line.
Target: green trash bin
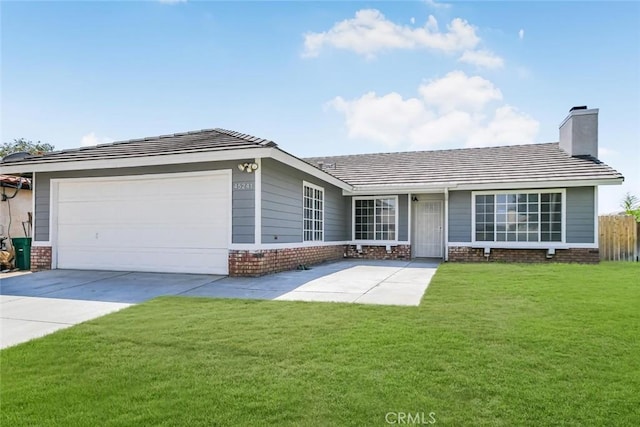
22 246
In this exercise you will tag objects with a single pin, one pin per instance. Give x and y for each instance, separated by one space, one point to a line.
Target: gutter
481 185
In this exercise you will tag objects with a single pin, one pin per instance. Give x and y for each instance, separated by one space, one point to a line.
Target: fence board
618 237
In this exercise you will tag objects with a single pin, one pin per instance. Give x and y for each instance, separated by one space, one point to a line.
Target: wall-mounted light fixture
248 167
414 199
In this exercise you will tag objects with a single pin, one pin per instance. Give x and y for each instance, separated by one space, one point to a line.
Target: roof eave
480 185
293 161
42 165
39 165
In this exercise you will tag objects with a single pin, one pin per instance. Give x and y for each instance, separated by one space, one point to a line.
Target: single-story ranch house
217 201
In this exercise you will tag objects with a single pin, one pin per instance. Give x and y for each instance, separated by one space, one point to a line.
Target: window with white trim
313 212
519 217
375 218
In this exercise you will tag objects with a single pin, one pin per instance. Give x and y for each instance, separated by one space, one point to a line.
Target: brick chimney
579 132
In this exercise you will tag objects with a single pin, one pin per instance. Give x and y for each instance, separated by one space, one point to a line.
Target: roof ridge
434 151
124 141
247 137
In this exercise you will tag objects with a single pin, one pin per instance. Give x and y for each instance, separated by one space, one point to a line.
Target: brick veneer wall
379 252
40 258
467 254
265 261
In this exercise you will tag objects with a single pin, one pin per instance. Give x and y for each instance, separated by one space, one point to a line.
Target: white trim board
125 162
523 245
176 158
296 245
288 159
363 190
257 218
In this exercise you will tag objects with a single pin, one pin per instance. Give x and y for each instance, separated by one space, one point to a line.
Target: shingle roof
533 162
205 140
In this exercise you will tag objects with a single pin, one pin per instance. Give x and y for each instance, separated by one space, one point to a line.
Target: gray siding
403 217
460 216
282 205
243 199
580 215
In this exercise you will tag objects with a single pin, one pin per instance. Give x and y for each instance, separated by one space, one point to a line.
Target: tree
631 205
22 144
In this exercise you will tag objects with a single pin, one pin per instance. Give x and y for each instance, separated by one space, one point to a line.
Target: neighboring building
16 204
217 201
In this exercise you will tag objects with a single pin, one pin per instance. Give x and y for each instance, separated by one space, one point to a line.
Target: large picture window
375 218
313 212
519 217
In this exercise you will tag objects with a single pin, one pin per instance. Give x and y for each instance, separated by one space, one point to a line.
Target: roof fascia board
400 189
138 161
293 161
409 188
541 183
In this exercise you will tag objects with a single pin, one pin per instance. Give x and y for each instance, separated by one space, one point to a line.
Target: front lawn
491 344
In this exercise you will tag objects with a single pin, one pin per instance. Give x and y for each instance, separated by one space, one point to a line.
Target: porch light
248 167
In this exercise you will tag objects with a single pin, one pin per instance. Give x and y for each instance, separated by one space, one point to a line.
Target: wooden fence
619 238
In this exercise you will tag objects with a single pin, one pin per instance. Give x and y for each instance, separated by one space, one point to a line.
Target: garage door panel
148 235
164 223
151 189
212 261
141 212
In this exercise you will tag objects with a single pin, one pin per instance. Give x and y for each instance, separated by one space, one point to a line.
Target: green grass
491 344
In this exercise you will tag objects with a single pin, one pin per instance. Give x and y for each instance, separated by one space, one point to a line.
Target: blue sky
325 78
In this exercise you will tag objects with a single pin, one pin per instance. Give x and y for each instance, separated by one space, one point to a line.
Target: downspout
446 224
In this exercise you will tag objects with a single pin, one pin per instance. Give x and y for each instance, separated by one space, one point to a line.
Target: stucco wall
20 206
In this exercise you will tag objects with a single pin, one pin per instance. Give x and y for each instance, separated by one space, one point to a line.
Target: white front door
427 229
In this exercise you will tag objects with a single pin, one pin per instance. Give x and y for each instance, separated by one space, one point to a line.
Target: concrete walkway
402 284
26 318
33 305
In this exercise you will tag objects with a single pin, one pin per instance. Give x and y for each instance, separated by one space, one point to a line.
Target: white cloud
437 5
172 1
382 118
482 59
91 139
508 126
369 32
451 111
458 91
412 20
521 34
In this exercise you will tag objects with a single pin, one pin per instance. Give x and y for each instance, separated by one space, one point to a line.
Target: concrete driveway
36 304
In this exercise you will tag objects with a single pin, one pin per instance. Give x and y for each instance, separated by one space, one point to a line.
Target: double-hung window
313 212
519 216
375 218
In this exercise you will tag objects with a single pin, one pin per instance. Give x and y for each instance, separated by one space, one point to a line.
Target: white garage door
164 223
